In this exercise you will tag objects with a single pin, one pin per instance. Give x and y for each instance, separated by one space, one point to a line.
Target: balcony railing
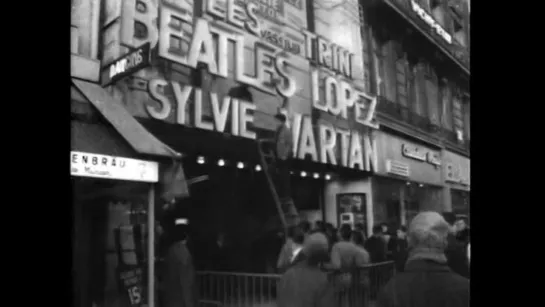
456 50
404 114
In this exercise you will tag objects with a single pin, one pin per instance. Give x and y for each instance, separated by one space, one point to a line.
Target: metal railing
405 114
226 289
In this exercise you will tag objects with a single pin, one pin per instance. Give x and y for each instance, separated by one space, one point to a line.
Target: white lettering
245 118
220 114
328 141
163 111
308 142
199 120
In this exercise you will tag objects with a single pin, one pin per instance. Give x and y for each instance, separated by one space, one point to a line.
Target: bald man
427 280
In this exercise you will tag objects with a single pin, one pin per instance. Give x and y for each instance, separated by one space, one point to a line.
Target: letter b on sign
138 23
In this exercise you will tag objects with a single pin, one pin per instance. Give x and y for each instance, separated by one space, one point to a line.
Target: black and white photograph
270 153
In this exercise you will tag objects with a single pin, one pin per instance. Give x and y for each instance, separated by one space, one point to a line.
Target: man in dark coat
427 280
376 245
178 274
399 248
304 284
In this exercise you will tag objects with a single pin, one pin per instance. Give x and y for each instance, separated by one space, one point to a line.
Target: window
387 198
389 76
459 32
446 105
438 12
467 118
110 242
378 66
432 94
401 75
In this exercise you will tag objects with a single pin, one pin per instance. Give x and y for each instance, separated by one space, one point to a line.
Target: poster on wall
352 209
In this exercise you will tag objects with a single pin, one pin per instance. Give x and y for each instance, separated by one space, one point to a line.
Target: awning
140 139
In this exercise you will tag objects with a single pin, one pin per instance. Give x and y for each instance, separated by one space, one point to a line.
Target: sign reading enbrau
209 43
84 164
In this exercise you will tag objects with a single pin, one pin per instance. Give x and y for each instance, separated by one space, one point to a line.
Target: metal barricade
361 287
228 289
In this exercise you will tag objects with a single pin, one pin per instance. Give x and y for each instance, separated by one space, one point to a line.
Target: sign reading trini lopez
84 164
126 65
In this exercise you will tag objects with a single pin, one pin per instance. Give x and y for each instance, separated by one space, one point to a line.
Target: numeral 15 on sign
135 295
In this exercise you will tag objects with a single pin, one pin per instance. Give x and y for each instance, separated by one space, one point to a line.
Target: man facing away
427 280
376 245
345 255
304 284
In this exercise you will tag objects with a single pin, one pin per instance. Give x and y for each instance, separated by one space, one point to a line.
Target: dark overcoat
425 283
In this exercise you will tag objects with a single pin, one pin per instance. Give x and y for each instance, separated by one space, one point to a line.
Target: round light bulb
303 174
200 160
221 162
258 168
240 165
327 177
316 176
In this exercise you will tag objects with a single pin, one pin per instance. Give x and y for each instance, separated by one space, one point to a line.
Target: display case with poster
111 243
352 209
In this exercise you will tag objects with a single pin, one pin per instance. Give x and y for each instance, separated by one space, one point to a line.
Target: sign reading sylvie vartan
84 164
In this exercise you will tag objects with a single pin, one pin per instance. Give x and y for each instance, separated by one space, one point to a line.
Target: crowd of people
433 243
311 253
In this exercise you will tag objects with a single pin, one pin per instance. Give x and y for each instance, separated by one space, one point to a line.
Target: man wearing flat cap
427 280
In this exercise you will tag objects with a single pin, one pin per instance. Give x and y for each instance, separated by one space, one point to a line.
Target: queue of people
431 244
312 255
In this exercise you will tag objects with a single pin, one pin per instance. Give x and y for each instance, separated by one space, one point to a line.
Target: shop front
456 175
199 89
408 180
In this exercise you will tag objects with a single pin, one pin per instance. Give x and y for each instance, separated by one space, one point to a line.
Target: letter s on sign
288 87
252 23
162 112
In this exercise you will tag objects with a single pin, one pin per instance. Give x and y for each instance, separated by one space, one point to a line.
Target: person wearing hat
178 274
427 280
304 284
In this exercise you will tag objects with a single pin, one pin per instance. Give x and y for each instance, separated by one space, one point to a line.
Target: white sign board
109 167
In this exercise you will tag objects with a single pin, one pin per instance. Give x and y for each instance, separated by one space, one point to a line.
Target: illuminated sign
127 65
431 22
221 40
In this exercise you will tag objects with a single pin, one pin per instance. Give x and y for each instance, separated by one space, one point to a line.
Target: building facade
375 96
417 57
